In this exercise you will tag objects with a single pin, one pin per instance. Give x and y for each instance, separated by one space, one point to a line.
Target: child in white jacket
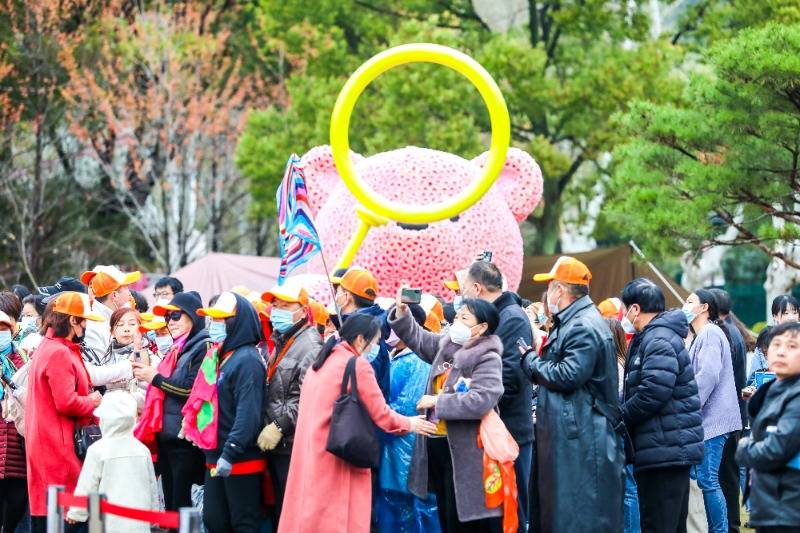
118 466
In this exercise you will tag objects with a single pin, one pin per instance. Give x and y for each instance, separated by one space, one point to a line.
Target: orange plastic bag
499 478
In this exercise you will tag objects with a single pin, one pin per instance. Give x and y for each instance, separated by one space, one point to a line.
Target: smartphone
411 296
487 256
522 345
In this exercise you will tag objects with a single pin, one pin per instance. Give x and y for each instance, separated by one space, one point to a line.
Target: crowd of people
492 413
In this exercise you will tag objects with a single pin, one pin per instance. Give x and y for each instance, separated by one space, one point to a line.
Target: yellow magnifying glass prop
375 210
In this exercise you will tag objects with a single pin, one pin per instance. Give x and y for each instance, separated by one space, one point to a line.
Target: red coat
12 455
324 493
57 402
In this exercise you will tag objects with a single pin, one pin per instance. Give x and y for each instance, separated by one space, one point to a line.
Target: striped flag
297 236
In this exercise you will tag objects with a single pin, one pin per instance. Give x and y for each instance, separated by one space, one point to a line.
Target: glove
223 468
270 437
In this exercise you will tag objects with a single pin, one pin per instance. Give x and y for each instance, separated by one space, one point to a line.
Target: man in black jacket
728 468
485 281
661 407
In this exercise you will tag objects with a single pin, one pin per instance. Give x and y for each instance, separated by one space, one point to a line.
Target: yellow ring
414 53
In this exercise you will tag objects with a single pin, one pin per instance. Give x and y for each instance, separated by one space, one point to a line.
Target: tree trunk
548 226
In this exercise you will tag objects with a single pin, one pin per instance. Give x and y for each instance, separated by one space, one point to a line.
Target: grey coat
283 390
579 456
480 361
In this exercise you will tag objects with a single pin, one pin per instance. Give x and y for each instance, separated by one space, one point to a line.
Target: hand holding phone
410 296
523 346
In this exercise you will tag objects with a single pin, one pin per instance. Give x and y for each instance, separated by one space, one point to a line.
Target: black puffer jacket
661 407
515 405
775 439
178 386
241 386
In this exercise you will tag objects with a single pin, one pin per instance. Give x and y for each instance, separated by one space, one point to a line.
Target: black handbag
84 437
352 436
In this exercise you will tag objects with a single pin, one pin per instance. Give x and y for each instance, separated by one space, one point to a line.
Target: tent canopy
611 269
216 272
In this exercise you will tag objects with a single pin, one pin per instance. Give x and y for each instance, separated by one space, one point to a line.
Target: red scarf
152 419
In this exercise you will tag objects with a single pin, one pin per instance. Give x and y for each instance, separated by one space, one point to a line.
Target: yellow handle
366 220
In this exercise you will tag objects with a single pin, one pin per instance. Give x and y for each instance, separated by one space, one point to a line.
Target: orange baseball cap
225 307
289 292
360 282
105 279
76 304
567 270
610 307
319 313
457 281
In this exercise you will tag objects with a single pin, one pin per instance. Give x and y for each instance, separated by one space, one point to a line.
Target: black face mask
77 339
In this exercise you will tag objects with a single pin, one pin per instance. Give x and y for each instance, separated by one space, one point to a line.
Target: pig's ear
520 181
321 174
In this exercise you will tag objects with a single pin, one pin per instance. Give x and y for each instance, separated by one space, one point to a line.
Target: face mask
393 339
217 331
459 332
627 325
541 318
151 335
373 352
689 313
458 301
282 320
5 340
28 323
77 339
164 343
552 307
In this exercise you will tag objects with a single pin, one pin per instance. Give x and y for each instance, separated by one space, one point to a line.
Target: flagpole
656 271
330 286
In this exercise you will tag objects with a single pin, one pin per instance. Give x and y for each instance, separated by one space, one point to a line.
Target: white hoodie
118 466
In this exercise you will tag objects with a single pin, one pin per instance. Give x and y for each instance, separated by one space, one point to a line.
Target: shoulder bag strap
350 376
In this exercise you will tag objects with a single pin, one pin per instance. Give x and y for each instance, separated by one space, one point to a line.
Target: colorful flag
297 236
201 411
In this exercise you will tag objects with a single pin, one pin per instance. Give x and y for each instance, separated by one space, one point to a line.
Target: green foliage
727 154
563 75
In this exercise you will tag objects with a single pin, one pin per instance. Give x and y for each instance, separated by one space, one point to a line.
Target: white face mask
627 325
551 306
393 339
459 332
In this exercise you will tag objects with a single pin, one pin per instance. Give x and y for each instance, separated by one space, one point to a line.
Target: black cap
63 284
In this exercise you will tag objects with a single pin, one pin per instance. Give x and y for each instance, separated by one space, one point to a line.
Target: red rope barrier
166 520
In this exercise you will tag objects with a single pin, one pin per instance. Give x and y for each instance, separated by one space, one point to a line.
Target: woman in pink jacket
326 493
60 399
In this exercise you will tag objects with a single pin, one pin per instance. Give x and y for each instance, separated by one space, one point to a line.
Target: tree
564 72
721 167
37 192
158 106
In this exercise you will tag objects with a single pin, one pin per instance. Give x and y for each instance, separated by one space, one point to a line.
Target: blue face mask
217 332
373 352
151 335
458 302
281 319
541 318
164 343
5 340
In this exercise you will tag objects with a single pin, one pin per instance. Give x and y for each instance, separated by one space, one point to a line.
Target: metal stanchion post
190 520
96 521
55 518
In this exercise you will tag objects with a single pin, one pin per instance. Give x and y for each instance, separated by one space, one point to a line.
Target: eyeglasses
162 295
173 316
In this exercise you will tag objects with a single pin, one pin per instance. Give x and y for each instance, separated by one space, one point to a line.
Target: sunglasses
173 316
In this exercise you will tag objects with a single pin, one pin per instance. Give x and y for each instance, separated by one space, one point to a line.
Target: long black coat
579 456
775 439
661 407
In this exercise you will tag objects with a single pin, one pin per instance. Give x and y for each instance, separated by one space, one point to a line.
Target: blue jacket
241 384
381 362
409 377
661 406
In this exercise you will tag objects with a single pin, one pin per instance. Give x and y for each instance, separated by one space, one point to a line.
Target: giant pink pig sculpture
424 256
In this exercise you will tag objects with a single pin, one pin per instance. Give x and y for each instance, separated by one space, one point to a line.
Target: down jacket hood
117 414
